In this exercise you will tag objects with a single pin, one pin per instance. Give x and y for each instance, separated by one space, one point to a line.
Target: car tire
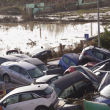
41 108
6 78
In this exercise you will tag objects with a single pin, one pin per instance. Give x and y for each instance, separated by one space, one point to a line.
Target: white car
31 97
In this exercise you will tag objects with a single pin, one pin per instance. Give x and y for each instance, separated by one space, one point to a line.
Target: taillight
0 67
84 53
47 96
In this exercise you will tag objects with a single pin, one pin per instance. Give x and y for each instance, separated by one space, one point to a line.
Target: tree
104 39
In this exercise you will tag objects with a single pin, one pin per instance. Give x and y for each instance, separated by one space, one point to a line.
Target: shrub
104 39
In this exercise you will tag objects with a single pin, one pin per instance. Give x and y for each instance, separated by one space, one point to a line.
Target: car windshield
35 72
105 92
48 90
57 90
42 67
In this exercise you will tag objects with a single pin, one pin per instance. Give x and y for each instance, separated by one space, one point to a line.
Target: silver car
19 72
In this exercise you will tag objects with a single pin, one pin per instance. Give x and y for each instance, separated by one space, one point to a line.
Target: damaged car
84 70
104 96
67 60
73 85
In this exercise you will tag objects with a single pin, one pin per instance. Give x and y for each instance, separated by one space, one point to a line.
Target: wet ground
62 17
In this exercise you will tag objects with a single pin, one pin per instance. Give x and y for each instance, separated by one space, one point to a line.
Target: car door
14 73
26 79
98 55
11 103
28 102
66 61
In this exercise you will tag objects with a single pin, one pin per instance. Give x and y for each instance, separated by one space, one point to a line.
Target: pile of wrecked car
73 79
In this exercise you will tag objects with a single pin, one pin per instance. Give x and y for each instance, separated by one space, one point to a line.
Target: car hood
102 100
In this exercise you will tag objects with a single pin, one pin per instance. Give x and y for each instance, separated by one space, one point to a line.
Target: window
35 72
26 97
67 92
66 60
35 95
79 84
11 67
98 55
23 72
53 79
12 100
72 64
16 68
107 57
42 67
48 90
2 60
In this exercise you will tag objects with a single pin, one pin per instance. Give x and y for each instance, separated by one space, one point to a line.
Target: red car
90 64
74 68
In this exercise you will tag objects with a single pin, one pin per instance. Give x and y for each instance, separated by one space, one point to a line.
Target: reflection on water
15 35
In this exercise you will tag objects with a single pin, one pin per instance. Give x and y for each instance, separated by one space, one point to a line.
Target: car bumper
54 104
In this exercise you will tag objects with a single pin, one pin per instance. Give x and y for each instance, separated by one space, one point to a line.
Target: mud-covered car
73 85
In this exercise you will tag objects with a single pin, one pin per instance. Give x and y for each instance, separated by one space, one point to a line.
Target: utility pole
98 25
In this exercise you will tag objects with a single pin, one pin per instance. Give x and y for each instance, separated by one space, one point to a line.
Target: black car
42 54
35 61
72 85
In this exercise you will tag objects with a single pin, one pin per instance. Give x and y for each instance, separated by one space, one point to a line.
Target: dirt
11 15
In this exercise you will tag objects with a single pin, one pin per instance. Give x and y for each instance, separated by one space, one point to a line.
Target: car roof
73 56
18 55
28 88
34 61
46 78
98 48
9 57
68 80
25 65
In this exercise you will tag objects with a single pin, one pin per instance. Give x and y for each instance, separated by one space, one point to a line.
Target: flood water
15 35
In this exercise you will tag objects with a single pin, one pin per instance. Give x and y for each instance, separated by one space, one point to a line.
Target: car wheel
41 108
6 78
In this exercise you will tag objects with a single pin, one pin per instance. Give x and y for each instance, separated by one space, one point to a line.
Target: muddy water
47 35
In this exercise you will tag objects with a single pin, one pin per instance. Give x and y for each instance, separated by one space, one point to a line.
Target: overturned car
73 85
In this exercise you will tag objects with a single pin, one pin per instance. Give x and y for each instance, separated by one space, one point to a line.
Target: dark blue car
67 60
104 96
